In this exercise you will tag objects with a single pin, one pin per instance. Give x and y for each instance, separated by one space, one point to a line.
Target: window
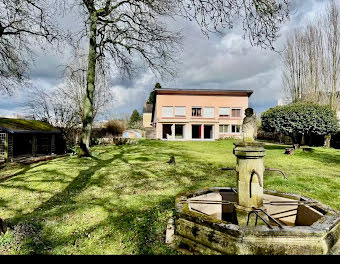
179 131
224 111
208 132
167 131
167 111
235 128
196 131
209 112
224 128
196 111
236 112
180 111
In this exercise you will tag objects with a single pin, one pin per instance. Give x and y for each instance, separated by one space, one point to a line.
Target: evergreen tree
152 94
135 117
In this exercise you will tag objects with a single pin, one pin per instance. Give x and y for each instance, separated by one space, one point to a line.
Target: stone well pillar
249 170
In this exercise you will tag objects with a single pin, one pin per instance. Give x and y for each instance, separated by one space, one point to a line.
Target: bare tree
74 92
332 41
63 105
311 60
260 19
125 29
22 24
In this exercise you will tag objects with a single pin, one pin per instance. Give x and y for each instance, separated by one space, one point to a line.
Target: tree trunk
90 87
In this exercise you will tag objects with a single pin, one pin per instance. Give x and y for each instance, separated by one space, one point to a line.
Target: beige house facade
180 114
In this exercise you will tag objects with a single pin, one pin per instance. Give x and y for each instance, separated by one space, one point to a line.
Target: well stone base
198 233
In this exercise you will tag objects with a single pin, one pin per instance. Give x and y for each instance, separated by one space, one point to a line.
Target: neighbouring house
147 115
20 137
194 114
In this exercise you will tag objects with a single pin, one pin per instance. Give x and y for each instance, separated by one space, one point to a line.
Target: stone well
249 219
215 229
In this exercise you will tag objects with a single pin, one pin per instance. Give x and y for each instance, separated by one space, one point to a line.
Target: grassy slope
120 201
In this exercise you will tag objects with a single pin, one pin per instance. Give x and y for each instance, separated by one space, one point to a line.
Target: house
147 115
194 114
20 137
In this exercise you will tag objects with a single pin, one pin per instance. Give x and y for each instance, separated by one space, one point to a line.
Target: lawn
119 201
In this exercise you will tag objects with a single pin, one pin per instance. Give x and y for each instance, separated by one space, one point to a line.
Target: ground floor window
208 132
224 128
179 131
167 131
235 128
196 132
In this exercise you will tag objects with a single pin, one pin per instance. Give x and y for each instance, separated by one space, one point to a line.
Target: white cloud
224 61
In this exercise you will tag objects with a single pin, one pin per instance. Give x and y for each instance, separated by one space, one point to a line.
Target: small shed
20 137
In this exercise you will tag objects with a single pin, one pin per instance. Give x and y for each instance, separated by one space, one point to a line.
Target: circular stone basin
206 225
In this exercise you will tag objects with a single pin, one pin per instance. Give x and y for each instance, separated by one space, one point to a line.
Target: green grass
119 201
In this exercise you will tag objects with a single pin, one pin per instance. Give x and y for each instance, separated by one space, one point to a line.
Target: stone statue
249 126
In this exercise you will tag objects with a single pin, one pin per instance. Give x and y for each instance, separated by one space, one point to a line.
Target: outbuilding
20 137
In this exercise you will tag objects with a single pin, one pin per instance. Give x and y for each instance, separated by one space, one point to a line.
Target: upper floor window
209 112
224 111
180 111
196 111
167 111
236 112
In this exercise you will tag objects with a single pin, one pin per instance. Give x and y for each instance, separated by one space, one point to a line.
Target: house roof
11 125
200 92
204 92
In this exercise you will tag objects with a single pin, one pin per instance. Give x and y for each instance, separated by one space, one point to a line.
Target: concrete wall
189 101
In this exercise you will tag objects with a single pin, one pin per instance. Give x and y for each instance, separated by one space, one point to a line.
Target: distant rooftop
204 91
11 125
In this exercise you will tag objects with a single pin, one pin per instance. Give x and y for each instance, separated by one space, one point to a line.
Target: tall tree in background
125 29
311 60
23 23
151 99
332 43
135 118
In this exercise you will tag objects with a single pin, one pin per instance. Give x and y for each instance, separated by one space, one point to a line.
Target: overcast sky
224 61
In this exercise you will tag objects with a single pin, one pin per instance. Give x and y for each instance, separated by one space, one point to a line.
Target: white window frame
224 125
172 108
213 112
180 107
197 107
219 112
231 129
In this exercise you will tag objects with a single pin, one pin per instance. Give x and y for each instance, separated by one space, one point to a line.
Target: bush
298 120
115 127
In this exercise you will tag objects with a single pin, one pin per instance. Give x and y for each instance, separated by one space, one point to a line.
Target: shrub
115 127
301 119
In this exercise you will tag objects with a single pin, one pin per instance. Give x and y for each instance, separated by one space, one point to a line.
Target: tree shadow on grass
139 226
143 229
74 188
327 157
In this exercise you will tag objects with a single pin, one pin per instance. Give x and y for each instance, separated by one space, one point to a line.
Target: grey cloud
224 61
